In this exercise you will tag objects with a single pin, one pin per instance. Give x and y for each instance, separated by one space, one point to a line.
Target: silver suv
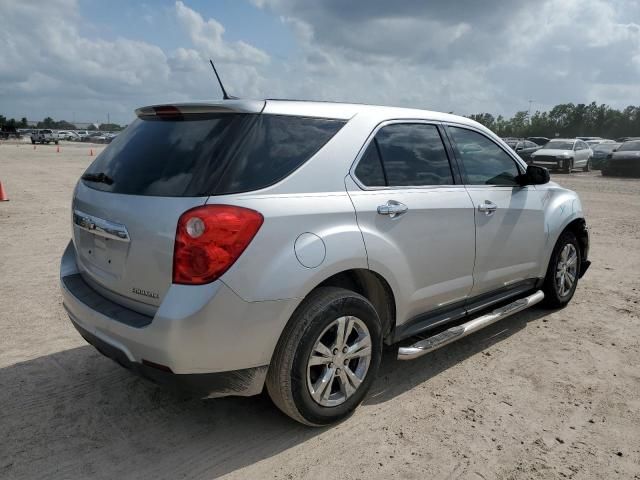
227 246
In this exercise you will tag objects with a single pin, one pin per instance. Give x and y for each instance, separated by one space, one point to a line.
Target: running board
460 331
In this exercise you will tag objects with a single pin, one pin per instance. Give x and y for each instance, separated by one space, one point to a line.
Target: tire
587 166
33 142
56 143
568 166
291 379
556 296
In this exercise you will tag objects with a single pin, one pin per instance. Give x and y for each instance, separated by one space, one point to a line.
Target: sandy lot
541 395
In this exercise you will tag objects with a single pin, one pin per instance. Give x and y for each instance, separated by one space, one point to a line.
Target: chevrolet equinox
229 246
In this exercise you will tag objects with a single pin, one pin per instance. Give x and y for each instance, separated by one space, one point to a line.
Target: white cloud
47 67
207 36
464 56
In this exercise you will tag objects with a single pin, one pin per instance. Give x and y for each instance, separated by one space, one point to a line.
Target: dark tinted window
369 169
485 163
629 146
413 154
209 154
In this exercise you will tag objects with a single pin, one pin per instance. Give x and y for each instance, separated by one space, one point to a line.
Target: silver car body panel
318 222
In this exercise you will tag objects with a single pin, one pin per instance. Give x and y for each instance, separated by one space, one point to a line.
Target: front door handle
488 207
392 208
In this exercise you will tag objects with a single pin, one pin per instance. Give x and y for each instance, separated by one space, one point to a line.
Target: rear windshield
201 155
627 146
605 147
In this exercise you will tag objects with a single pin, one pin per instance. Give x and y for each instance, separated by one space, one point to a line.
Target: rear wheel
327 357
563 271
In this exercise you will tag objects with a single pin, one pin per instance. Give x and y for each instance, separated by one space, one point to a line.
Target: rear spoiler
181 109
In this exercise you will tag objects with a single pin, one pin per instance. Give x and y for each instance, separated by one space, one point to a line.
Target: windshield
559 145
208 154
629 146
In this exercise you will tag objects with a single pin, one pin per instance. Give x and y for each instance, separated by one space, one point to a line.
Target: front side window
484 162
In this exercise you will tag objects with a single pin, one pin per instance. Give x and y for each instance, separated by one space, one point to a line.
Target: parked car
626 139
281 243
94 137
599 141
524 148
624 161
44 136
564 154
82 134
9 131
601 152
585 139
539 140
65 135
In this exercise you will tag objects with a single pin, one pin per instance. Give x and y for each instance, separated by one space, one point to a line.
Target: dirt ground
540 395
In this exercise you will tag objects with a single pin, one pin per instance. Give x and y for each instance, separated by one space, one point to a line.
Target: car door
509 218
577 154
417 221
586 153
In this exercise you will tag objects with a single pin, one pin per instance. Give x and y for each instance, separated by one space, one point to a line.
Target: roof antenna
225 96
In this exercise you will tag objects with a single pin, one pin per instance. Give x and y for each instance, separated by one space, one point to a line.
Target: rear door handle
393 209
488 207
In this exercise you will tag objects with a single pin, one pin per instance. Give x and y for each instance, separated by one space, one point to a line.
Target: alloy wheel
566 269
339 361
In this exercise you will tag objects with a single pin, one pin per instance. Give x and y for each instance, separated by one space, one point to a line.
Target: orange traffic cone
3 194
58 149
91 152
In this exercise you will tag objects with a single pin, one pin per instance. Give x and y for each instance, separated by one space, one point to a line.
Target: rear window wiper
97 177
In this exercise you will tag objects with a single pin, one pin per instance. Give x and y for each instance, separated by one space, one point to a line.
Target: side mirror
535 176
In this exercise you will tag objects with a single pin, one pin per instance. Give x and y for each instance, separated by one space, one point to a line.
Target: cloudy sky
83 59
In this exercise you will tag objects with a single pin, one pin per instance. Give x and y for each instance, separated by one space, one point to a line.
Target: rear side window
412 154
201 155
484 162
369 170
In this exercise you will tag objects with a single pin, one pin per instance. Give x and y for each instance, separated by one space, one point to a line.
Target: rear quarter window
202 155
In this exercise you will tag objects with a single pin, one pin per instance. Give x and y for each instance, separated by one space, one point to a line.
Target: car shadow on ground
398 376
77 414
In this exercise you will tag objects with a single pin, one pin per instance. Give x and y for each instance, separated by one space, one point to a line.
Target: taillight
209 239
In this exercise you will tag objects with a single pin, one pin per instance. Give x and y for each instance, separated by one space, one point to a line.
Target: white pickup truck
44 136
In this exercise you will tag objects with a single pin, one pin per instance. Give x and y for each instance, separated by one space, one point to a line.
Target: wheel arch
374 287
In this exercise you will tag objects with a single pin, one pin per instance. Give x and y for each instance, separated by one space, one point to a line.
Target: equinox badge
146 293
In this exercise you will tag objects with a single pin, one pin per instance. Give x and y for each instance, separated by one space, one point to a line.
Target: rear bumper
196 332
237 382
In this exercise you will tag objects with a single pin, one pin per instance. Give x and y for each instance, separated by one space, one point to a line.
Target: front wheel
587 166
568 166
563 271
327 357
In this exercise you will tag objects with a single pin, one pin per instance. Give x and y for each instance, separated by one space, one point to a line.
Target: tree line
567 120
564 120
49 122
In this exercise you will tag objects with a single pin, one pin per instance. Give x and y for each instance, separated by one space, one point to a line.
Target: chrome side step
460 331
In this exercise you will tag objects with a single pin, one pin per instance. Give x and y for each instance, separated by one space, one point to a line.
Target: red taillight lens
210 239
